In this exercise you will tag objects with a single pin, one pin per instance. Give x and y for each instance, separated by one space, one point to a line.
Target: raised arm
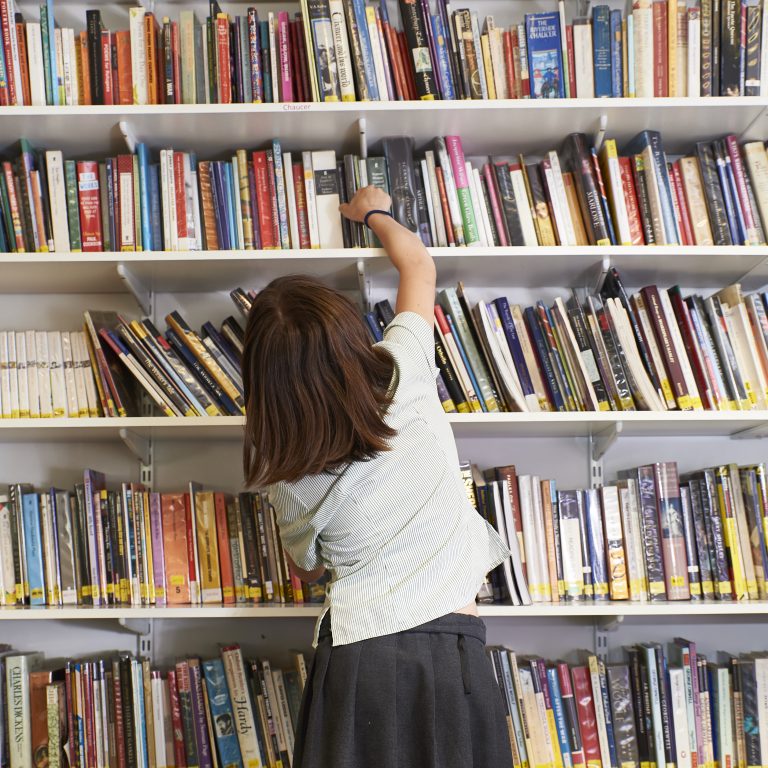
416 291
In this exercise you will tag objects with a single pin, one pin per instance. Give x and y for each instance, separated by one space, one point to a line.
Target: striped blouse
400 538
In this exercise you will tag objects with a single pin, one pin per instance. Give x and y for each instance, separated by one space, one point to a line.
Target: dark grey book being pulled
398 151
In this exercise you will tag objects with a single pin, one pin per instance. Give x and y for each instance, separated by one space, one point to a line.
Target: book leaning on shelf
274 199
229 710
348 50
101 546
652 706
652 351
650 536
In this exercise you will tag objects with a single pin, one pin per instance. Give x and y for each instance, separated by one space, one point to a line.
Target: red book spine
444 205
514 43
13 202
225 554
660 56
273 199
90 205
223 56
190 541
261 174
284 51
303 59
509 64
686 229
566 692
150 36
586 708
7 24
124 68
118 707
176 56
741 185
489 174
115 73
301 205
26 90
630 199
106 65
90 740
298 80
124 212
181 196
176 722
571 60
405 60
394 57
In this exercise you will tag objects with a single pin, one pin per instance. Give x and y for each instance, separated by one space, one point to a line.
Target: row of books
653 351
652 535
229 710
103 370
267 199
652 706
348 50
124 545
582 194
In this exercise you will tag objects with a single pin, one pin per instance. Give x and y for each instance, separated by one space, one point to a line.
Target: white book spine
450 191
526 218
761 674
764 52
573 565
327 199
189 222
309 192
165 202
241 705
70 388
619 203
79 373
17 669
285 712
478 48
57 195
7 573
66 56
238 204
429 201
49 556
58 41
484 212
597 698
679 717
537 578
724 718
497 61
138 55
290 196
197 242
177 244
562 199
32 376
158 721
582 55
440 230
13 375
559 214
475 203
56 366
21 374
695 749
378 57
342 49
5 377
273 62
35 63
694 53
642 20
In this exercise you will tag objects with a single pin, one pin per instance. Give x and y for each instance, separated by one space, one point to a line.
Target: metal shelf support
362 137
136 288
364 284
603 440
138 445
603 628
601 131
129 135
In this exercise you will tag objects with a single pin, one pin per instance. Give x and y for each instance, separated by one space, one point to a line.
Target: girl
360 462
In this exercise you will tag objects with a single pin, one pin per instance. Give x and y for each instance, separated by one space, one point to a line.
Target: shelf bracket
600 135
362 137
760 431
129 135
364 284
138 290
139 446
142 629
602 270
603 440
604 626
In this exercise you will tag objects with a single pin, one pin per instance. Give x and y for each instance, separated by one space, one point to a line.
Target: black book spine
730 43
357 52
691 550
577 160
449 377
350 187
320 24
649 521
250 542
641 727
664 697
495 241
93 23
716 51
752 73
421 207
712 515
643 202
588 355
509 205
464 88
347 230
402 184
750 705
703 545
713 194
129 726
115 530
85 573
415 27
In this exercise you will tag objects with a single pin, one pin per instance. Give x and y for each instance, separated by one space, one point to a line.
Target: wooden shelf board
585 610
534 124
229 428
166 271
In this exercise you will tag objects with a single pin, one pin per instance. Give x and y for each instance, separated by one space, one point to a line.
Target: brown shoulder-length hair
315 388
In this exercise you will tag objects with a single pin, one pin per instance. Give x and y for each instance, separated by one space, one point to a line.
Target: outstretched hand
366 199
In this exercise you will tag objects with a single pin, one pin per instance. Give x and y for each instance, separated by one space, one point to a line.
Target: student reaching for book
361 465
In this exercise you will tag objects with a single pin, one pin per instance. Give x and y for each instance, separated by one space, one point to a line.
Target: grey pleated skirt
423 698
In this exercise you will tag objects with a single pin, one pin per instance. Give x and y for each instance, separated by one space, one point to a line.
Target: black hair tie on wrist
370 213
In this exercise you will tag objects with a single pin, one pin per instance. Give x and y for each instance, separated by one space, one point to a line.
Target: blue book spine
282 210
443 64
665 187
222 715
217 204
358 6
617 52
730 213
465 360
716 692
594 519
209 329
559 712
33 548
542 352
266 67
373 327
222 198
142 748
51 87
515 348
232 210
3 71
601 49
145 200
545 55
156 217
630 55
567 393
738 212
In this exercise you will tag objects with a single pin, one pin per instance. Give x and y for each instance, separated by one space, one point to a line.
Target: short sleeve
297 532
412 334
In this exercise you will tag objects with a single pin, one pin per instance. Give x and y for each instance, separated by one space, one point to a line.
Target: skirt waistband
450 624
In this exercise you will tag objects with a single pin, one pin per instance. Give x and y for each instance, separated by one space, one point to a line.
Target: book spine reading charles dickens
124 545
716 194
651 707
652 535
349 50
653 351
230 710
